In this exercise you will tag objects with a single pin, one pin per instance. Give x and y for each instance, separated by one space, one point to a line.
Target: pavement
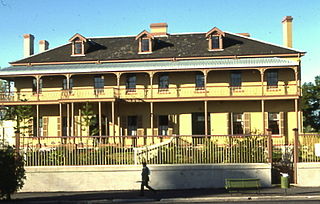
274 193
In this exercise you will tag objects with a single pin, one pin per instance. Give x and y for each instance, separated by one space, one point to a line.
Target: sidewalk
205 195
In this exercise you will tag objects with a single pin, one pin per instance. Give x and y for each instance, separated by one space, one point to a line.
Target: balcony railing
154 93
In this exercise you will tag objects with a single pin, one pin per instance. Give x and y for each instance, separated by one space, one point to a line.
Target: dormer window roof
78 45
215 39
145 40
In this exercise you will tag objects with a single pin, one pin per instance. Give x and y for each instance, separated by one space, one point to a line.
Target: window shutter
30 127
229 121
170 131
247 123
266 121
139 121
59 126
45 126
281 123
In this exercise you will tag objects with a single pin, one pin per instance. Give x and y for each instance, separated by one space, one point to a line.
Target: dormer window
215 38
145 40
78 48
78 45
145 45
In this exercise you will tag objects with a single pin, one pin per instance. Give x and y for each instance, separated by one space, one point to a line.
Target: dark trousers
145 184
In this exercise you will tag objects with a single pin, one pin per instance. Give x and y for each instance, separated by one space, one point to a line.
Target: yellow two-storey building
158 84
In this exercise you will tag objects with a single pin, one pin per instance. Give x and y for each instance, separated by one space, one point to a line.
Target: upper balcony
243 79
172 93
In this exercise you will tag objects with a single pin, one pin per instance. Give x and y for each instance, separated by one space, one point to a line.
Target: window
163 124
35 130
272 78
145 45
132 125
35 85
215 42
273 123
235 79
237 123
98 84
78 48
131 83
200 81
65 86
163 82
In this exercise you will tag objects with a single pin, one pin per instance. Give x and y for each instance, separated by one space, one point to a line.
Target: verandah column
263 117
113 119
151 122
68 119
262 80
100 116
206 118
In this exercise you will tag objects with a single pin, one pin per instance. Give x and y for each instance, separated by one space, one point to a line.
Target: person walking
145 179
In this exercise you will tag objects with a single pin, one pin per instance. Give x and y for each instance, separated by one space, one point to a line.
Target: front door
198 127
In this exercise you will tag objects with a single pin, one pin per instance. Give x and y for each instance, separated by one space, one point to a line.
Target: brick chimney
28 45
158 29
287 31
43 45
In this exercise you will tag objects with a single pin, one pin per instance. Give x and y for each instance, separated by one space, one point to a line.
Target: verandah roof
147 66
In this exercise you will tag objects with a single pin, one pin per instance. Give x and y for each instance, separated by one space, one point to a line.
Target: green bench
242 183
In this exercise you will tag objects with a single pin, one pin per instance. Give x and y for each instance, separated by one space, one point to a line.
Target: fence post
269 144
295 155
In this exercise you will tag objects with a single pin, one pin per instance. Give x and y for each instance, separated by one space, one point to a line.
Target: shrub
12 172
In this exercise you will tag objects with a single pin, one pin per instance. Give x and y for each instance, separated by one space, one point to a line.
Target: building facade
158 84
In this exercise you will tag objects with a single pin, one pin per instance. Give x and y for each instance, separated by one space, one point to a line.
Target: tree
21 114
311 105
12 172
88 119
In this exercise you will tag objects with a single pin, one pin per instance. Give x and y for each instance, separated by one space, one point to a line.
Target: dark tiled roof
178 45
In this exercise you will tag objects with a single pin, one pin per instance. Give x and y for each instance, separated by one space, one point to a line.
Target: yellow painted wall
219 123
186 128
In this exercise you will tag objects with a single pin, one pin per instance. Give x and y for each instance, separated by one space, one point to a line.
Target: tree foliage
311 105
88 119
21 114
12 172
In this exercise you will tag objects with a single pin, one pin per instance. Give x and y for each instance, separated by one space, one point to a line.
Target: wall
309 174
92 178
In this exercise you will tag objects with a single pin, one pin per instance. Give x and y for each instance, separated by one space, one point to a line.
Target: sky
58 20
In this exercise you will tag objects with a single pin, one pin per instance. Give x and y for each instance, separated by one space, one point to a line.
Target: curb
241 198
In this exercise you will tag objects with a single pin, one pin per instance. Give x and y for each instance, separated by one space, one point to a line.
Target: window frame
272 121
131 85
220 42
98 84
75 48
200 81
132 129
272 81
235 123
163 128
163 83
235 82
35 89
